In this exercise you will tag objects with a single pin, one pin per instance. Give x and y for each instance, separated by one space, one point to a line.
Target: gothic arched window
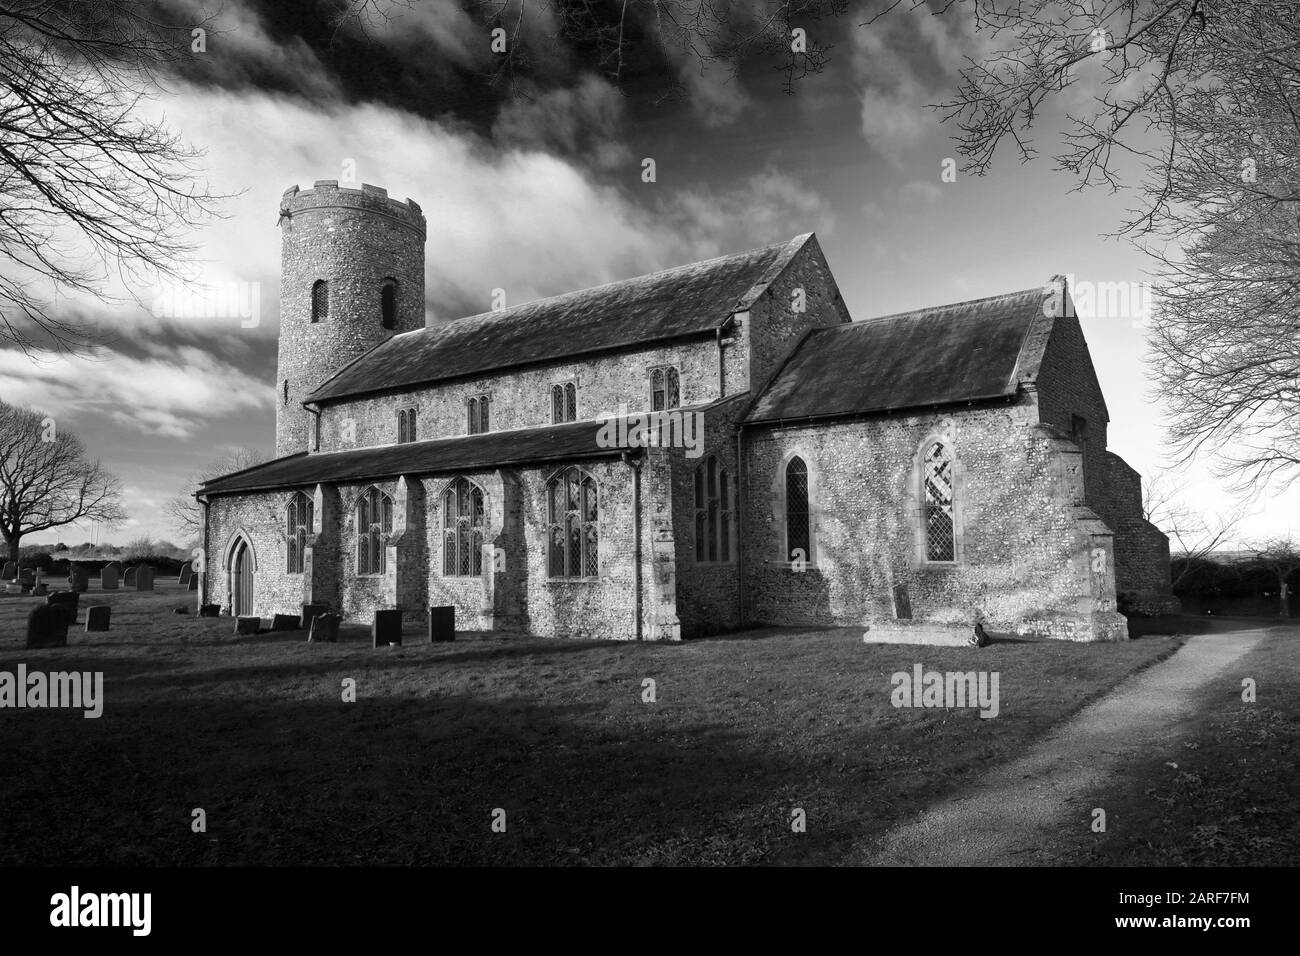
473 416
297 519
798 524
320 301
665 388
374 520
712 513
388 303
573 518
938 523
564 403
462 529
570 402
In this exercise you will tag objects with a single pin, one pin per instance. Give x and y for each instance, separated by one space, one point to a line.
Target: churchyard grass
743 730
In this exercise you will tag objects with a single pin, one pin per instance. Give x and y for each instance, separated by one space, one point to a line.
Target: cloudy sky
535 186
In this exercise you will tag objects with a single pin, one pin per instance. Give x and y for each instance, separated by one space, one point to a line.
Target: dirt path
1008 818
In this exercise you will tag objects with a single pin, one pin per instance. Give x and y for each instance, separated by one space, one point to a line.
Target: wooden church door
242 599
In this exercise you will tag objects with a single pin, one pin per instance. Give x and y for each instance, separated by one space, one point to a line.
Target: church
710 447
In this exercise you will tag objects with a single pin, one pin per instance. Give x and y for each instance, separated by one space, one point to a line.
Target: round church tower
351 277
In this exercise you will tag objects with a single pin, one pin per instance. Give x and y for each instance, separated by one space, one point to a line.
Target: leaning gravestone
442 623
144 580
129 580
247 624
284 622
387 628
70 601
186 570
47 626
10 571
97 617
209 610
324 629
310 611
193 584
108 578
77 579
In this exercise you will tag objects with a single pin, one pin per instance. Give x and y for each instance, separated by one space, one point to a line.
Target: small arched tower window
797 524
938 525
570 402
388 303
473 416
298 519
320 301
462 529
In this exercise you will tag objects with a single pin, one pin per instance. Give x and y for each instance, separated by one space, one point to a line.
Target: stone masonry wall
521 398
1022 543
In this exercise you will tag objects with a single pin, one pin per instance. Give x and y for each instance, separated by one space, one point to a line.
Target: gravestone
193 584
47 626
108 578
442 623
324 629
97 617
285 622
184 577
77 580
144 580
902 603
40 589
129 580
180 610
10 571
387 628
310 611
209 610
247 624
70 601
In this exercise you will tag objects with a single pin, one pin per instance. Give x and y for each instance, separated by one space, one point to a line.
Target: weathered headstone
184 577
324 629
285 622
442 623
144 580
902 603
247 624
77 580
97 617
47 626
310 611
40 589
108 578
193 583
387 628
69 600
10 571
129 580
209 610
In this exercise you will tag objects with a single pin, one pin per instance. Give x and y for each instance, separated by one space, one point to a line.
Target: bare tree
47 480
1201 99
89 188
184 510
1194 534
1282 557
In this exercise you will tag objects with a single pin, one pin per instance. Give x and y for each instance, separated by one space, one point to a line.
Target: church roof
521 446
964 352
687 300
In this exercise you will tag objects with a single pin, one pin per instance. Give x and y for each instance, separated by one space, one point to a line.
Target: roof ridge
497 314
911 313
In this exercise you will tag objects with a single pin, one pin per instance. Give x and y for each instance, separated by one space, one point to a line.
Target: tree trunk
13 546
1282 593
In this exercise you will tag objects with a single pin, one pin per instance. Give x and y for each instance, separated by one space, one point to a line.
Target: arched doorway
241 580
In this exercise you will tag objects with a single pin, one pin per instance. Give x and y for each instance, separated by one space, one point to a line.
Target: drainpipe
738 524
635 465
203 581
